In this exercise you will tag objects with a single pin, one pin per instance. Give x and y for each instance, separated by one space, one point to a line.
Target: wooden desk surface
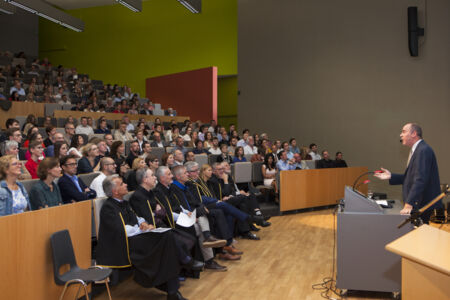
426 245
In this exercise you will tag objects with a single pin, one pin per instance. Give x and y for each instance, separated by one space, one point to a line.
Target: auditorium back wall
339 73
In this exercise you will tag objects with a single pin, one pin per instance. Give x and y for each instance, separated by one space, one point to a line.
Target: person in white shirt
314 152
84 128
243 142
64 100
178 157
130 126
107 168
250 148
17 88
215 149
122 133
212 126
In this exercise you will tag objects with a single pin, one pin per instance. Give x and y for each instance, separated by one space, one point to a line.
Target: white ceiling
75 4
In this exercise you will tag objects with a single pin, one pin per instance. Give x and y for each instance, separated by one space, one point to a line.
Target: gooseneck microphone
363 174
362 183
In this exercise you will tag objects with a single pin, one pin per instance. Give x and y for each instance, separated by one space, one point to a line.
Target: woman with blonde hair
138 163
89 162
13 194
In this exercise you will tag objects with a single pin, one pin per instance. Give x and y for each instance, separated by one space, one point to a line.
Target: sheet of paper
160 229
382 202
185 221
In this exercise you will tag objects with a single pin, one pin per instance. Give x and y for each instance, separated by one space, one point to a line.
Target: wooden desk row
319 187
113 116
26 266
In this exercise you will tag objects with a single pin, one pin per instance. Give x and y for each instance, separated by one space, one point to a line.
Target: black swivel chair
63 255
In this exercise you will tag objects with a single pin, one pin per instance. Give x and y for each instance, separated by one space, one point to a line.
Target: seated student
60 149
34 137
32 163
12 148
339 162
304 154
50 150
134 152
45 192
157 141
239 155
269 171
102 127
138 163
107 168
89 162
199 147
13 195
189 156
293 146
168 160
283 163
125 240
75 145
224 156
152 162
325 162
214 149
117 152
71 187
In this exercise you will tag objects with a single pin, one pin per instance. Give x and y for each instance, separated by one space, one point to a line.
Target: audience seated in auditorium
325 162
304 153
145 109
152 162
122 133
299 163
199 147
60 149
76 145
72 187
117 153
13 194
269 172
154 256
84 128
293 148
313 151
29 122
140 138
50 150
14 134
250 147
258 157
286 148
168 160
208 142
232 146
157 142
339 162
215 149
202 132
178 157
69 132
17 87
45 192
239 155
189 156
107 168
109 141
102 127
243 142
138 163
283 163
134 153
224 156
146 149
36 150
12 148
89 162
187 135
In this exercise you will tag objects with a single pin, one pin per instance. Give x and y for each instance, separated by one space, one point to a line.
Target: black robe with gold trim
153 255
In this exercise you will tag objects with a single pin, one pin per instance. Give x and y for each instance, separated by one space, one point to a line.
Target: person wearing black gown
123 241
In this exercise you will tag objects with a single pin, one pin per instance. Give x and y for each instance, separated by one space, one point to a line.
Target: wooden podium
425 256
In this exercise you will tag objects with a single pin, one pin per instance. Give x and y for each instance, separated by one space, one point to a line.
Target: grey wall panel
19 32
339 73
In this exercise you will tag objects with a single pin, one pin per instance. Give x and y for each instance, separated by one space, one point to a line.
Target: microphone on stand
362 183
366 173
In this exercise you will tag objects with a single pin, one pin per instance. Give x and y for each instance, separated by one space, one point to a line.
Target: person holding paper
421 179
155 256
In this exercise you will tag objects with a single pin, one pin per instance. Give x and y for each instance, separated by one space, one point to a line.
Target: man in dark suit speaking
421 178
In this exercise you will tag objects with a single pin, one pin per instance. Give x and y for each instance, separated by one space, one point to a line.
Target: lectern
363 230
425 256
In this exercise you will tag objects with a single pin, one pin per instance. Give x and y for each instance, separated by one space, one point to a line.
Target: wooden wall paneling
21 109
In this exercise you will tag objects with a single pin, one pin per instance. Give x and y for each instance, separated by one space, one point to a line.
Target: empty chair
63 255
311 164
50 108
88 177
157 106
242 172
158 112
201 159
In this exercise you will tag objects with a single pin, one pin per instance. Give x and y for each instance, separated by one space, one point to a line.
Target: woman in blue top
13 196
239 155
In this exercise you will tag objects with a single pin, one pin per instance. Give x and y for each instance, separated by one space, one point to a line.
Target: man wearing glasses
71 187
69 132
107 168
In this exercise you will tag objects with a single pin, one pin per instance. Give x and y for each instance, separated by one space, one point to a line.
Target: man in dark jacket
72 188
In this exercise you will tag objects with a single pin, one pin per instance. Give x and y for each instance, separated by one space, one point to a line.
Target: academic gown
153 255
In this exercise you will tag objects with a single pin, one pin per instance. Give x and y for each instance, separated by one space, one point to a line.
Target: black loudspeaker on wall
414 31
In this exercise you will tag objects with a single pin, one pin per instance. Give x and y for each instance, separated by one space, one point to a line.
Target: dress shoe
254 228
250 236
212 242
266 224
257 219
214 266
176 296
228 256
232 250
194 265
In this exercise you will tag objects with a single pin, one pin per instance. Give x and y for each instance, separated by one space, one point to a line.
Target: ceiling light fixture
134 5
193 8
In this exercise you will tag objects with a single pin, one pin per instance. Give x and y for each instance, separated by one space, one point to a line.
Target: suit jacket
70 192
22 154
421 179
146 112
155 145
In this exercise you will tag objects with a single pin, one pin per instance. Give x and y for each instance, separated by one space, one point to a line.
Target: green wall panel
120 46
227 101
